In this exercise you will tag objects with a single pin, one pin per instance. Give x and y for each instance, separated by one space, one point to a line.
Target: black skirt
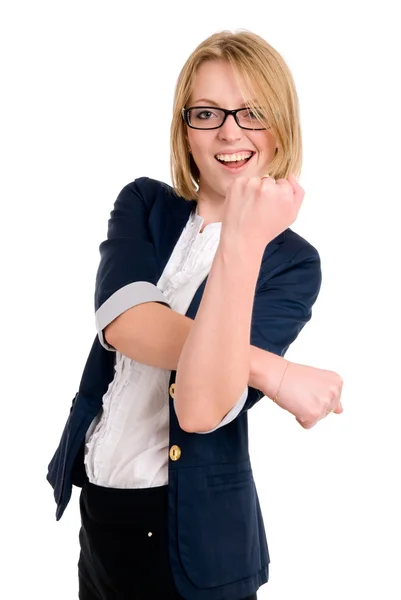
124 545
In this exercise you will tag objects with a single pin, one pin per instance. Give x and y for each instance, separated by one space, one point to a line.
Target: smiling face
215 85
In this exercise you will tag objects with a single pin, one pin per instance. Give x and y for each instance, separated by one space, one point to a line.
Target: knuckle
314 415
265 185
333 392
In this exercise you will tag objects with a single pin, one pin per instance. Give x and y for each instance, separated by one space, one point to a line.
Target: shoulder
289 252
153 191
297 247
149 185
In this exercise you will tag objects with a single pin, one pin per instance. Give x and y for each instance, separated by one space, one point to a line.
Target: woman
169 506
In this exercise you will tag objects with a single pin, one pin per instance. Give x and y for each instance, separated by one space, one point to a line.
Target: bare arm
151 334
155 335
215 363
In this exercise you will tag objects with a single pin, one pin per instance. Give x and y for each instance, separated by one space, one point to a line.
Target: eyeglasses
210 117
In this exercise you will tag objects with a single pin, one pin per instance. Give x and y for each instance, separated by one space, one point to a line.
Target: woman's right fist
256 210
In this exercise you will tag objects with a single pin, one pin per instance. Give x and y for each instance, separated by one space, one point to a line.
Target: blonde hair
263 77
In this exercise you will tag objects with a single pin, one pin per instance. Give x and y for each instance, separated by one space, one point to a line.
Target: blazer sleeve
282 307
128 272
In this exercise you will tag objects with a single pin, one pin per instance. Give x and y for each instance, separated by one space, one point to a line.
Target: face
215 85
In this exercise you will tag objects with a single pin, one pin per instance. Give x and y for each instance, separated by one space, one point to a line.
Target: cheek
194 139
264 142
200 141
201 152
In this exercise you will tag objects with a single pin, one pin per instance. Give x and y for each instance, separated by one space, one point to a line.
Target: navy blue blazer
217 540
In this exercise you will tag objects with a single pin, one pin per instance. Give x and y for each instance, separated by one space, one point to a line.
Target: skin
215 80
249 208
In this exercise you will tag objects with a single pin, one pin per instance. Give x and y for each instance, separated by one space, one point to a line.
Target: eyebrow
212 102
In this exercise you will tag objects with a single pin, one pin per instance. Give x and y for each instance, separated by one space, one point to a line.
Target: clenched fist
310 394
256 210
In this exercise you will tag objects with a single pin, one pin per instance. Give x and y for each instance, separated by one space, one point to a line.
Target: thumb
298 191
294 181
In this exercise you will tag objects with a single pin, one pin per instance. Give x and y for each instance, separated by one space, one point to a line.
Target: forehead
216 83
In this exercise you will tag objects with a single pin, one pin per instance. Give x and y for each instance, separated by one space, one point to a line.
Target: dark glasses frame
185 115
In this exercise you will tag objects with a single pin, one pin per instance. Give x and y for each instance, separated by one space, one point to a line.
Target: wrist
244 261
254 248
276 397
266 371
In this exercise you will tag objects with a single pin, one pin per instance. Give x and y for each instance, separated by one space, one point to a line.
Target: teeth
233 157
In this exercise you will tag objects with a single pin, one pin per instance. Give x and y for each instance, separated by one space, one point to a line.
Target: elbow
186 426
193 420
186 422
195 427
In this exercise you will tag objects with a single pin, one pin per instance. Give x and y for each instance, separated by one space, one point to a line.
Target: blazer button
172 390
175 452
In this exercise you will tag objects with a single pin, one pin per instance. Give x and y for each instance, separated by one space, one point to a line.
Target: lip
231 151
235 170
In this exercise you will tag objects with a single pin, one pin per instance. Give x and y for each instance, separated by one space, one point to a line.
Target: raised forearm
214 365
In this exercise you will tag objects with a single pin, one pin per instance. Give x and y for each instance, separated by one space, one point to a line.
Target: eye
204 114
255 114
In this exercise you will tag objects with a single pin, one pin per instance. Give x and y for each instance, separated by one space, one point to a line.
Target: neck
210 203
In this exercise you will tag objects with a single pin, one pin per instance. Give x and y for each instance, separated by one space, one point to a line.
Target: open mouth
234 162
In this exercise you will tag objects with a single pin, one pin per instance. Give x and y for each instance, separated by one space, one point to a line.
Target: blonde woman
200 290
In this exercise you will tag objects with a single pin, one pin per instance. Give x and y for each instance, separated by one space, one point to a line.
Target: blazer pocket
218 528
228 479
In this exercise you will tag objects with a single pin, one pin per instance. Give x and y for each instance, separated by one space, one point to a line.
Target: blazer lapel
176 217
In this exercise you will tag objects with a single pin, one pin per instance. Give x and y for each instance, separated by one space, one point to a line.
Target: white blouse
127 444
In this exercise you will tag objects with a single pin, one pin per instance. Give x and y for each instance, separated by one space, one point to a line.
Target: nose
230 131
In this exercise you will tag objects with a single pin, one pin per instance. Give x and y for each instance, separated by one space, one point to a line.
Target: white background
86 98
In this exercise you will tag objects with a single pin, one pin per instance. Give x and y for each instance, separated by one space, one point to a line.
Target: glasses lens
205 117
250 119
